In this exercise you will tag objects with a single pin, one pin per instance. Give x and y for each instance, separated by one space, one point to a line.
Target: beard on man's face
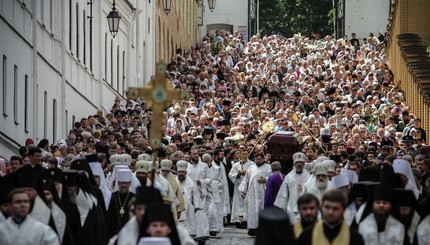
407 220
381 219
142 180
181 178
322 185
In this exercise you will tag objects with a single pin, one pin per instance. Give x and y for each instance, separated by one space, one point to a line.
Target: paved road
232 236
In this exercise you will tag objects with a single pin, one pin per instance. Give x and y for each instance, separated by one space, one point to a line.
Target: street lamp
113 20
211 4
167 5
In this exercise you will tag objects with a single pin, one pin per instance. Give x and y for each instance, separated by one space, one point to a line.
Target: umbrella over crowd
314 131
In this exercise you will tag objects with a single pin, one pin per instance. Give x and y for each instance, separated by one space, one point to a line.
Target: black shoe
242 225
213 233
201 242
252 232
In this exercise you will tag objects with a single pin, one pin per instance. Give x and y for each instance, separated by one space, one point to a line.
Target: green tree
288 17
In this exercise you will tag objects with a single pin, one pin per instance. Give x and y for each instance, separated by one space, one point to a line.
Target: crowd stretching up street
360 175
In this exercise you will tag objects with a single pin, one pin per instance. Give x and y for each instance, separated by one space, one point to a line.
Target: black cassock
118 211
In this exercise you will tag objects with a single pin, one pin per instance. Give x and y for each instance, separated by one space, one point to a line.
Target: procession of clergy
189 202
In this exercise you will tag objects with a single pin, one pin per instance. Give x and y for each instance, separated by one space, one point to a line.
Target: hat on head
147 165
146 195
141 167
351 175
198 140
182 166
115 159
158 212
166 165
330 165
226 122
119 114
80 164
221 135
144 156
335 158
274 228
406 198
126 159
320 169
383 192
357 190
56 174
124 175
92 158
386 142
208 130
299 157
400 153
70 178
350 150
339 181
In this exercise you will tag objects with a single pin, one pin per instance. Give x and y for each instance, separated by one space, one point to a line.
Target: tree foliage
288 17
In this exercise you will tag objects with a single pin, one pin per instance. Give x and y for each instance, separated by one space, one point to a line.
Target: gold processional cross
159 94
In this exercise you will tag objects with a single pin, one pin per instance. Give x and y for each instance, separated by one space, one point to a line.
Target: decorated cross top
159 94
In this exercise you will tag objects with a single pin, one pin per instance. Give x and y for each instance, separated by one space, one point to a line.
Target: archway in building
213 27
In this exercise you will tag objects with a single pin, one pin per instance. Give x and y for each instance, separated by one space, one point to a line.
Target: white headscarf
97 170
402 166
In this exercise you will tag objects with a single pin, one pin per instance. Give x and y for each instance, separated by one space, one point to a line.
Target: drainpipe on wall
63 71
35 95
100 54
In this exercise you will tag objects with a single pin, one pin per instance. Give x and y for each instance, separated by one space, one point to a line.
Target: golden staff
294 118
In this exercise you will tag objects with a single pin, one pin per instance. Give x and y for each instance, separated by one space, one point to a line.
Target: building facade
60 63
177 29
228 15
411 17
361 17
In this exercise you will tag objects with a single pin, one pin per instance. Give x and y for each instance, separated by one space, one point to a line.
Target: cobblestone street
232 235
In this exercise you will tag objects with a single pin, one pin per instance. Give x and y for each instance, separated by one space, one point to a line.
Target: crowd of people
361 175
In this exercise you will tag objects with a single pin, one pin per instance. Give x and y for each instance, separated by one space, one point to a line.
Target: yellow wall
409 16
176 30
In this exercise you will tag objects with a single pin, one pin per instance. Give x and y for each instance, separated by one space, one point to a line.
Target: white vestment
225 198
214 208
2 218
198 171
413 227
290 190
238 210
393 234
129 233
29 232
255 191
350 213
192 201
423 231
311 187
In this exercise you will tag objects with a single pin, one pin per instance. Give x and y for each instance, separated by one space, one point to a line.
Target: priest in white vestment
237 172
318 184
381 227
253 188
292 186
22 229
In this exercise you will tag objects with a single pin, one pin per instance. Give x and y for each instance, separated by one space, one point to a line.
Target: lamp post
167 6
113 20
211 4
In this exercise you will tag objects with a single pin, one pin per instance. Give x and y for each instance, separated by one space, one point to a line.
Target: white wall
365 16
226 12
60 67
